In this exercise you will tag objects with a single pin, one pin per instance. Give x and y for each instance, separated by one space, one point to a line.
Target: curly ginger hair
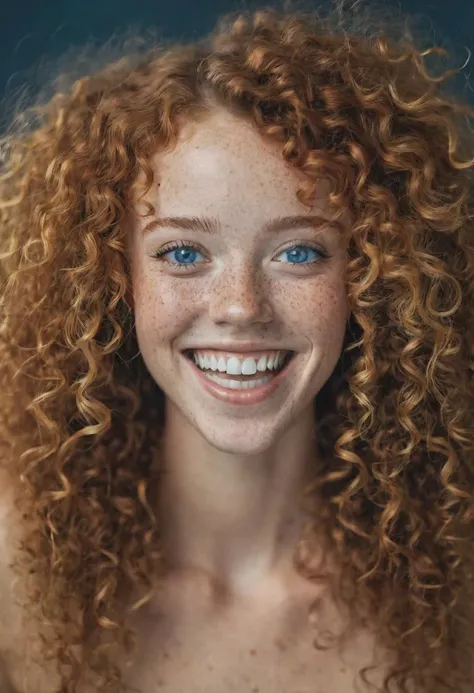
81 417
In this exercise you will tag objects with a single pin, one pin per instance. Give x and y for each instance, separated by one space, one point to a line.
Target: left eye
299 254
185 254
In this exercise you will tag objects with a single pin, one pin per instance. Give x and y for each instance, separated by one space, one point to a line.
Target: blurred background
35 31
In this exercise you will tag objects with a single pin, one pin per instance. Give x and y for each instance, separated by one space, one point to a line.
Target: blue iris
297 249
185 252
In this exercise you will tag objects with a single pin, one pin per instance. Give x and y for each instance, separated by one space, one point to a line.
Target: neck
235 518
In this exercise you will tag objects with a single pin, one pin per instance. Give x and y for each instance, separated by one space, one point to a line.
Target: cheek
319 307
162 308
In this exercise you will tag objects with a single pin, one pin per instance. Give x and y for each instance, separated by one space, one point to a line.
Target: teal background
34 31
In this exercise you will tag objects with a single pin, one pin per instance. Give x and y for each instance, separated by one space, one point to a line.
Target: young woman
236 369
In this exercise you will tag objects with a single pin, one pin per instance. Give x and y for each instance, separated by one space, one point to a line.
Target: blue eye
185 254
299 254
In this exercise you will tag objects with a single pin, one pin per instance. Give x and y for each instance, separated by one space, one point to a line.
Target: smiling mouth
189 353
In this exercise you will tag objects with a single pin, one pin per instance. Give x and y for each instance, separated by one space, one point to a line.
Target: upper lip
241 347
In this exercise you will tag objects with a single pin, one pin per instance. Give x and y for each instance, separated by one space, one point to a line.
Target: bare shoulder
9 620
8 536
12 631
19 641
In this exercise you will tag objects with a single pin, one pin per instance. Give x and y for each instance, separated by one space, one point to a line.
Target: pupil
185 253
296 250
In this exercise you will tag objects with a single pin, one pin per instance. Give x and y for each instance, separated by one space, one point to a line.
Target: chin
241 437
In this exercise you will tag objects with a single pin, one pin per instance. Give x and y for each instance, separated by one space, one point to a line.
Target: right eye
183 252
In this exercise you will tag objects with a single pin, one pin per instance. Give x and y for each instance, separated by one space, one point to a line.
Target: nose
240 296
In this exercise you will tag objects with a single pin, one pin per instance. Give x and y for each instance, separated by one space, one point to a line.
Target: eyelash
174 245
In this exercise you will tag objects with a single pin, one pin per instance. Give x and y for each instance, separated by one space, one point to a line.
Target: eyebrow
211 226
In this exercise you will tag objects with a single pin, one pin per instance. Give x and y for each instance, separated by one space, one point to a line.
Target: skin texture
238 469
390 502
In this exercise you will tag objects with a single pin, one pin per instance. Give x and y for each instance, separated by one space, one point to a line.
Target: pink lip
253 396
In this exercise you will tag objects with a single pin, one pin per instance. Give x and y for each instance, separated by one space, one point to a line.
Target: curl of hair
80 416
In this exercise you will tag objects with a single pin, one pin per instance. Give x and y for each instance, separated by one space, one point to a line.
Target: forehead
223 158
226 154
223 167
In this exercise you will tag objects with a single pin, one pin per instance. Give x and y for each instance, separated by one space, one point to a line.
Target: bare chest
183 646
246 653
211 667
215 659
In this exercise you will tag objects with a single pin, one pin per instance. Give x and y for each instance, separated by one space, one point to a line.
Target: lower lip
253 396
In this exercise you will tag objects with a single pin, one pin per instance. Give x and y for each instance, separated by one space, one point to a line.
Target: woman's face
241 287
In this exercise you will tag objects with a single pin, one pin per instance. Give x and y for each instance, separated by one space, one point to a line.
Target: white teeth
262 364
239 384
236 366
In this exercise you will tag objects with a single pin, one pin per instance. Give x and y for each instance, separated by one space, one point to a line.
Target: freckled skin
222 168
229 498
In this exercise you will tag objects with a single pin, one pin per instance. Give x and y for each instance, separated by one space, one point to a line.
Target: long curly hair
81 419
